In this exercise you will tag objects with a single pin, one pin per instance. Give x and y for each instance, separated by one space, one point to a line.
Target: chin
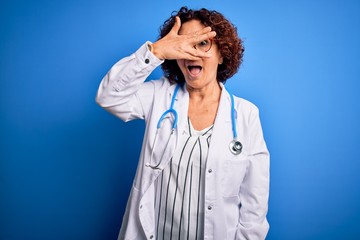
196 84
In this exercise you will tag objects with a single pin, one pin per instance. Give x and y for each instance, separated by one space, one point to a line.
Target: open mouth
194 70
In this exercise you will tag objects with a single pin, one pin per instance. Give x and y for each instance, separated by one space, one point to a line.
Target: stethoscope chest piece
235 147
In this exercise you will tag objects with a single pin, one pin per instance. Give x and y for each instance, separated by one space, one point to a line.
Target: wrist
154 50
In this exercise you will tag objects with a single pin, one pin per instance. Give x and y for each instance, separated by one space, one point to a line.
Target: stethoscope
235 145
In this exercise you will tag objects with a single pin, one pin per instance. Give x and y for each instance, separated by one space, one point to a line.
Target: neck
208 92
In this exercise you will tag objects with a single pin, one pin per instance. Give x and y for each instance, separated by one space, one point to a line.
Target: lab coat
236 186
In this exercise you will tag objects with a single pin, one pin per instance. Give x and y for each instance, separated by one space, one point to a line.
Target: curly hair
230 45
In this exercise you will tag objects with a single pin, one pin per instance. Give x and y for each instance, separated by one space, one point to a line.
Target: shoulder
159 88
245 106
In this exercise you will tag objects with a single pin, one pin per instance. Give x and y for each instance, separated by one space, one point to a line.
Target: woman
193 180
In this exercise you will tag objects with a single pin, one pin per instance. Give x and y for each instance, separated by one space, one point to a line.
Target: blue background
67 165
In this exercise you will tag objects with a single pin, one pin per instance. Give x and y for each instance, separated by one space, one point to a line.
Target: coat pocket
234 172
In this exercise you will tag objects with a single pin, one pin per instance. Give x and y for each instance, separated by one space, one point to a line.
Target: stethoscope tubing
233 116
235 145
171 110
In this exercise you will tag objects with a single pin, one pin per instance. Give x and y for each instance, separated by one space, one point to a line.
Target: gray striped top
179 203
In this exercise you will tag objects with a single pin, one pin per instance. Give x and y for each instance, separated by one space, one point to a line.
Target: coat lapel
222 132
181 106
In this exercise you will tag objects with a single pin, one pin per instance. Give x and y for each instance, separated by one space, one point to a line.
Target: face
199 73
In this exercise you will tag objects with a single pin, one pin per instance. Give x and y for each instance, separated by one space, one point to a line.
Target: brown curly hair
227 40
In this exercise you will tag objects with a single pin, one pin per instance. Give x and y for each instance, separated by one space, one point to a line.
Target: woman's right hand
175 46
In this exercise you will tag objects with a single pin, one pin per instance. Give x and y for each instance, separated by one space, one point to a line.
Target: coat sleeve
254 191
123 92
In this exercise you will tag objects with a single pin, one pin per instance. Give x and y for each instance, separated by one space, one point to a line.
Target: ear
221 60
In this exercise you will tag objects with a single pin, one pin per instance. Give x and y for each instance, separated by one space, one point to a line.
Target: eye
204 43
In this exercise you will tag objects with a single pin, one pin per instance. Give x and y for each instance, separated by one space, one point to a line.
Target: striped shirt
179 203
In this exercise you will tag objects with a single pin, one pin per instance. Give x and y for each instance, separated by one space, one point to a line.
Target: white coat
236 186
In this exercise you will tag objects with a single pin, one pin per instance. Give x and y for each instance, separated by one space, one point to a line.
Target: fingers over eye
206 36
197 37
195 55
199 54
177 24
204 30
